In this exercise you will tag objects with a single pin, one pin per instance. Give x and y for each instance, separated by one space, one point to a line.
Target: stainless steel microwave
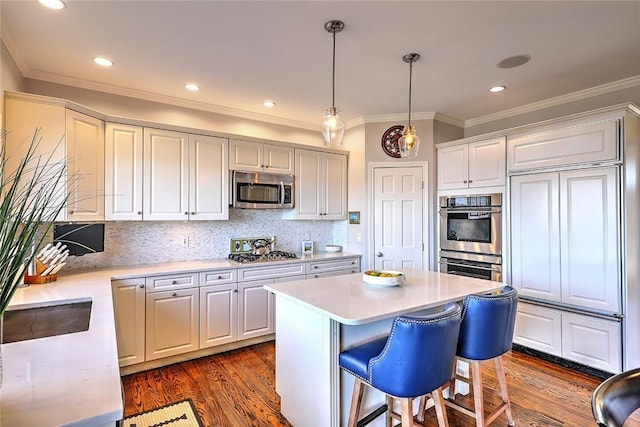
253 190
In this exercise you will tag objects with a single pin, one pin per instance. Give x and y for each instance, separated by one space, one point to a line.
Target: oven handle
444 211
282 193
458 264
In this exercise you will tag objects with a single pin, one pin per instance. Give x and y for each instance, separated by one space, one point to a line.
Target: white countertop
74 379
350 301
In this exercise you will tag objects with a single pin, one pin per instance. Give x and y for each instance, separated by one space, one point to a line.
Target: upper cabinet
185 175
321 186
75 138
571 145
259 157
472 165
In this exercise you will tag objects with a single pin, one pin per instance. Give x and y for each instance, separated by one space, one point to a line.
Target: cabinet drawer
332 273
171 282
338 264
592 341
595 142
218 277
539 328
270 271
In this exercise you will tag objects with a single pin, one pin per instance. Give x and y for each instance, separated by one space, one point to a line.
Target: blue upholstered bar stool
415 359
486 332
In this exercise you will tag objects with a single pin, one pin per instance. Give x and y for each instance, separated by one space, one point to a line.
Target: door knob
379 254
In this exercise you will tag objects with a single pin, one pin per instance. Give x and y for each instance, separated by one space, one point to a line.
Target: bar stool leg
406 411
441 412
356 401
478 397
502 380
389 419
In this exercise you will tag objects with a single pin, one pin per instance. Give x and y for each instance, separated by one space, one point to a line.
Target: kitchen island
318 318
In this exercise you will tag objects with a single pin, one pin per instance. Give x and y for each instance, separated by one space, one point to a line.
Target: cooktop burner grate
271 256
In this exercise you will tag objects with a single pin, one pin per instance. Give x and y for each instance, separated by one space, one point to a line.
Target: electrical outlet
185 241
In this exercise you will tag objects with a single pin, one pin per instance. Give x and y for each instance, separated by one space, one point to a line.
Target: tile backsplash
146 242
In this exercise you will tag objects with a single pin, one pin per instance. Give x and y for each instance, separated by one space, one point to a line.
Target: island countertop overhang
350 301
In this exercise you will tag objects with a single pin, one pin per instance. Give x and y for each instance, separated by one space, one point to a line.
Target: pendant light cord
333 83
410 78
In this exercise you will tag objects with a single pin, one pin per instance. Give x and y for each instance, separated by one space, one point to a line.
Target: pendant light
409 142
332 123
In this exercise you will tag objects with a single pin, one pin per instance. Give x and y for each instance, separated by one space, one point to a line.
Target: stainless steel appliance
471 224
487 267
253 190
256 257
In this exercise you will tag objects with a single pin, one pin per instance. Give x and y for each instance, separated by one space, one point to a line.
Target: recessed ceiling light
192 87
514 61
268 103
103 61
496 89
53 4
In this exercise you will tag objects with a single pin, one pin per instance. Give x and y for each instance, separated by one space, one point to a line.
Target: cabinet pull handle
174 294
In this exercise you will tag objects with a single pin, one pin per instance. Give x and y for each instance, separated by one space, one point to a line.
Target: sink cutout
40 322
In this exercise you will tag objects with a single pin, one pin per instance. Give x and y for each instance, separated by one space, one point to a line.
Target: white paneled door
398 217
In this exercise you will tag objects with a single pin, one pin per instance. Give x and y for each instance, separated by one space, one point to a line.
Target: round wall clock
390 141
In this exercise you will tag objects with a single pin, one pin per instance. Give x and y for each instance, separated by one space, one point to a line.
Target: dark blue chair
616 398
486 333
414 360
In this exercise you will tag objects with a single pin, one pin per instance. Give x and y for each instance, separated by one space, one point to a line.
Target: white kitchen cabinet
123 172
591 341
321 186
472 165
564 237
171 282
129 312
218 314
255 309
259 157
185 176
579 143
75 138
172 322
334 267
271 271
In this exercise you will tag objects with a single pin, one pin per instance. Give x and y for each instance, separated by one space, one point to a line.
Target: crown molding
559 100
18 59
403 117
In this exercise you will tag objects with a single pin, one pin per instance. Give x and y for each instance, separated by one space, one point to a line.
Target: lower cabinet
218 314
172 322
128 307
589 340
255 309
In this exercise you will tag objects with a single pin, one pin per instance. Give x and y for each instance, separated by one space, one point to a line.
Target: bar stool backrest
616 398
487 326
419 354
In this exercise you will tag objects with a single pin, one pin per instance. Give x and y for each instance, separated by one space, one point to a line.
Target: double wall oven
471 235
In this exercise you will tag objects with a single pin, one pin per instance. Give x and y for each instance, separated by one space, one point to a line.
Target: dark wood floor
237 389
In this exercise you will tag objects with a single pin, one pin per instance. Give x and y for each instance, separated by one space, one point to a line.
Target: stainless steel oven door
473 229
487 267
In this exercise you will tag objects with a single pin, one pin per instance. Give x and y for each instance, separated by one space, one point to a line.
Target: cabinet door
334 190
589 224
245 156
209 178
166 175
535 236
487 161
278 159
123 172
453 171
129 313
218 314
255 309
539 328
85 167
593 342
308 198
172 323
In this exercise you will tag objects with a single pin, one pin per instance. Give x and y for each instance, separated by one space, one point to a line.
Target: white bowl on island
383 277
333 248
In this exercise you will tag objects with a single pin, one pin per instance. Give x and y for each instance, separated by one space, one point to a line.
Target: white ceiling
242 52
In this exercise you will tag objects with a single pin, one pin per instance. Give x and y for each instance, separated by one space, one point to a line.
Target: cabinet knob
174 294
235 291
219 277
266 166
193 213
379 254
139 212
141 286
70 212
315 266
174 282
465 182
186 213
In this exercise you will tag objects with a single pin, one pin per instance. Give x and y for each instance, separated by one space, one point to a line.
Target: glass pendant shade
409 142
333 127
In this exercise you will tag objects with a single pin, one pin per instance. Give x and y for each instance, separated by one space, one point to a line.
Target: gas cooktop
271 256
